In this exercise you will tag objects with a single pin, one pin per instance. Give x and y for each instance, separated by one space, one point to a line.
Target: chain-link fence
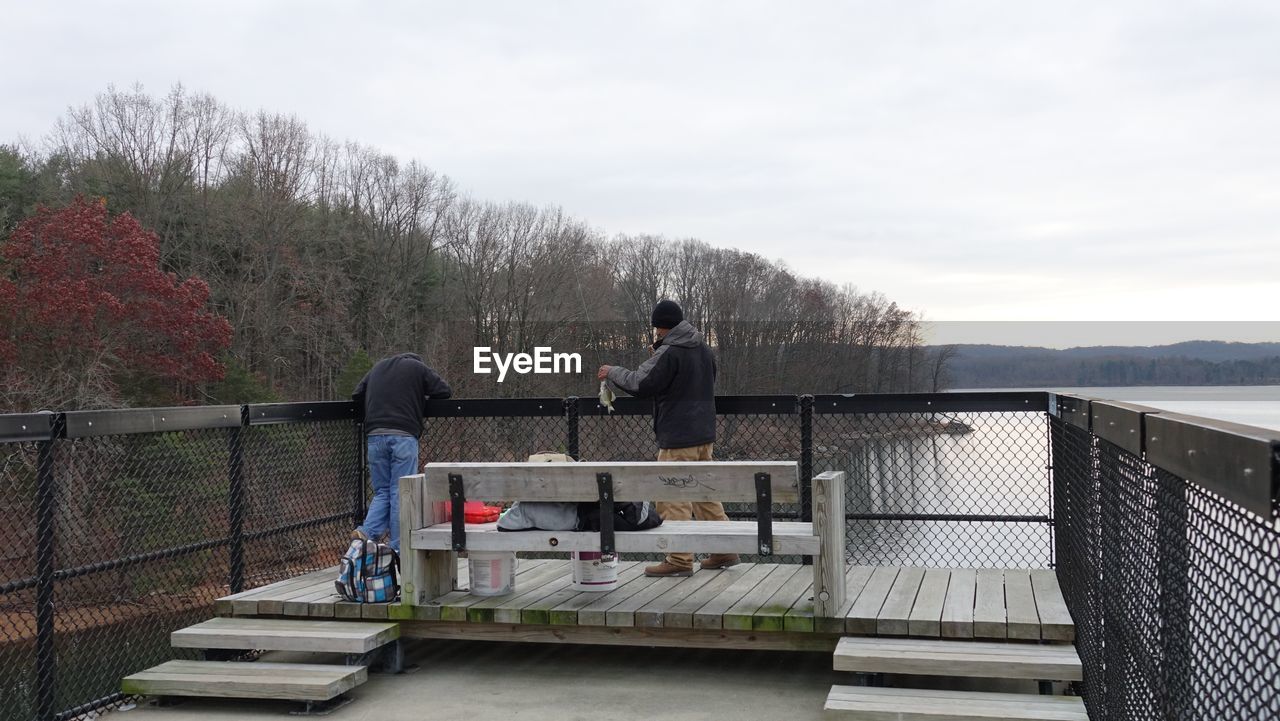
123 526
1174 588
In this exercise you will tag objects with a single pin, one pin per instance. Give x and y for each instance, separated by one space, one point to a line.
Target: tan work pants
688 511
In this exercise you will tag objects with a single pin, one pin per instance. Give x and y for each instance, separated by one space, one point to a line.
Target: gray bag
544 515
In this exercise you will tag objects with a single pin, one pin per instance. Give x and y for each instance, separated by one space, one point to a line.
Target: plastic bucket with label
592 573
493 573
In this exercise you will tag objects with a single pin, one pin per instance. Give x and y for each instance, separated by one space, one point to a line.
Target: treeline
1059 370
324 255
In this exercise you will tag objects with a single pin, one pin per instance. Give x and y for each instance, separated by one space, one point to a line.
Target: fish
606 395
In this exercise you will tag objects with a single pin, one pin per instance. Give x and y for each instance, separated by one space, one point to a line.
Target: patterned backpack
369 573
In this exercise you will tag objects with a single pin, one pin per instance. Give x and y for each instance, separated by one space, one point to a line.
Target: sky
1023 162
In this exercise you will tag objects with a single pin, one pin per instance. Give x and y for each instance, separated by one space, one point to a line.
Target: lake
1253 405
997 468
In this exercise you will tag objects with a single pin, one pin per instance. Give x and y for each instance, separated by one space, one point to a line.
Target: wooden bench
429 544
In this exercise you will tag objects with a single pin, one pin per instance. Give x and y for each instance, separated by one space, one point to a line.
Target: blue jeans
390 457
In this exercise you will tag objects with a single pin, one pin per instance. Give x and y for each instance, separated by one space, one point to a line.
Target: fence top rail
977 401
88 424
263 414
959 402
632 481
83 424
1236 461
20 427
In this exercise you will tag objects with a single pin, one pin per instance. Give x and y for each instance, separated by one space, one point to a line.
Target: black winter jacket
394 393
681 377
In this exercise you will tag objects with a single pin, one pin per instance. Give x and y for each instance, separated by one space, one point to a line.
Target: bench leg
413 565
828 525
424 574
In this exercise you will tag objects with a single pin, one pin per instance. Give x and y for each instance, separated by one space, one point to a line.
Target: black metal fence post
571 423
1176 662
359 500
235 507
46 505
806 458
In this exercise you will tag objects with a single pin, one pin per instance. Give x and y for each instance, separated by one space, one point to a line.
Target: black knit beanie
667 314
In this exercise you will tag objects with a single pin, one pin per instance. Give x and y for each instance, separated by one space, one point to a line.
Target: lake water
997 468
1253 405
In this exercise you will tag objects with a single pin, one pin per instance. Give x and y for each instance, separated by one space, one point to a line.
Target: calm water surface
1254 405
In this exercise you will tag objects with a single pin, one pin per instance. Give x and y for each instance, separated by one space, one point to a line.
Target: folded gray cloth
540 515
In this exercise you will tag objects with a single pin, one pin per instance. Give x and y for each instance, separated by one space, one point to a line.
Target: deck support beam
622 636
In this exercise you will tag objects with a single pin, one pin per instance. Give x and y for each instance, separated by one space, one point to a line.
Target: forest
288 261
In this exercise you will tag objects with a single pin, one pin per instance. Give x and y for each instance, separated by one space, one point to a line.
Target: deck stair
278 634
969 659
910 704
258 679
973 659
363 643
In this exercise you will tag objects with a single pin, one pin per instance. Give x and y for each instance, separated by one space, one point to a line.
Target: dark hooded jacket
680 377
393 394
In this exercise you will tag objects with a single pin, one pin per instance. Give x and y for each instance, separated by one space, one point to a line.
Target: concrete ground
485 681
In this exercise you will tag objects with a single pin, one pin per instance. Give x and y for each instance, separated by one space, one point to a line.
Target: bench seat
789 538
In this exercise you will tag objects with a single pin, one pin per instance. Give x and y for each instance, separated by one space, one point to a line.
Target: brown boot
666 570
720 560
358 535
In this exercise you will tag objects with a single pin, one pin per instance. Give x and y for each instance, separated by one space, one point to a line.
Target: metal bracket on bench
605 483
459 499
764 513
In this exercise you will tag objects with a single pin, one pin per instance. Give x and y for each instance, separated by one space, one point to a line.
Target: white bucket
493 573
591 573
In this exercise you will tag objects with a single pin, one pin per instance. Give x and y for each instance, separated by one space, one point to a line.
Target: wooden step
976 659
910 704
276 634
259 679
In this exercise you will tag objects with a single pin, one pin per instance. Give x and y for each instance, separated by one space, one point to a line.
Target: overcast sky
971 160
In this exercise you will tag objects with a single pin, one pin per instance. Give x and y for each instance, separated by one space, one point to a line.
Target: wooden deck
754 599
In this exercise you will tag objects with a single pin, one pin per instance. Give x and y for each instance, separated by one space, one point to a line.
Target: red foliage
75 280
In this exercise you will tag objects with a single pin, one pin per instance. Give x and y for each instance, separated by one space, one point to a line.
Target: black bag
628 516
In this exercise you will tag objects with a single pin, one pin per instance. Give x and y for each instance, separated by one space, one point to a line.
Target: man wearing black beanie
680 376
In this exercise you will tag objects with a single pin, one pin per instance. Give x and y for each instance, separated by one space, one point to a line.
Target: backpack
369 572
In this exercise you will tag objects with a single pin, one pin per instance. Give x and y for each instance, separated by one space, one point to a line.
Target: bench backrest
632 481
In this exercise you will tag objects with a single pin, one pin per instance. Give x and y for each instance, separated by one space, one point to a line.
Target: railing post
806 466
235 507
806 458
571 422
359 500
46 505
1174 577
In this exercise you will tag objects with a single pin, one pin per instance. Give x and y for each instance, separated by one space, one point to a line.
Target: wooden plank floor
1001 604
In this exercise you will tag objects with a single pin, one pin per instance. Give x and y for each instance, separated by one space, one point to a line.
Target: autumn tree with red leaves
86 313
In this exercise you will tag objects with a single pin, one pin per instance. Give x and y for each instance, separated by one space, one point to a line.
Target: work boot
666 570
717 561
358 535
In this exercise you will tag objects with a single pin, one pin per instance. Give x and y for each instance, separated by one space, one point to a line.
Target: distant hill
1196 362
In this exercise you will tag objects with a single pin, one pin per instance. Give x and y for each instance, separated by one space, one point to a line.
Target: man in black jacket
680 376
392 397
